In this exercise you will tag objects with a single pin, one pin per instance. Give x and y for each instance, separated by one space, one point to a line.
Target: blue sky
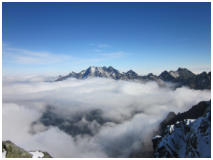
145 37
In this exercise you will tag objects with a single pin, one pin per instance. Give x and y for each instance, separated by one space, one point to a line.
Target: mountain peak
131 72
164 73
185 73
150 75
92 68
182 69
111 68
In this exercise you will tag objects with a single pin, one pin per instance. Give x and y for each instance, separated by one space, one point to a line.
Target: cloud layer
129 113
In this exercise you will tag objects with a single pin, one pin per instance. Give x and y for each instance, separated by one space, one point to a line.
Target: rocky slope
10 150
181 77
186 135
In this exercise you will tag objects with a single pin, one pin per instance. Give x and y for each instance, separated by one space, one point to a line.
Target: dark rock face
185 73
168 120
195 112
181 77
186 134
165 76
131 75
13 151
46 155
203 80
184 77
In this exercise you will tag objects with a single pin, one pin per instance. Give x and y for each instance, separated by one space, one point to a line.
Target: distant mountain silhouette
181 77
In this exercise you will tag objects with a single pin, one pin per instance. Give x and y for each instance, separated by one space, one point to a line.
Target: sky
57 38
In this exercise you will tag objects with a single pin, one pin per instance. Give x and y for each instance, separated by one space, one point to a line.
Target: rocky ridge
185 135
180 77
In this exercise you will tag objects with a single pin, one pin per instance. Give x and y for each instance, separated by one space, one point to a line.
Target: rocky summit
11 150
186 135
180 77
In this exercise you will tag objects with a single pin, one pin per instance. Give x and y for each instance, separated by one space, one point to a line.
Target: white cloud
23 56
27 57
134 110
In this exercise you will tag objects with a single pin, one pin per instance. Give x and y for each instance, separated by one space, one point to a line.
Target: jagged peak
176 73
100 67
132 72
180 69
204 73
164 72
110 67
91 67
185 72
73 72
150 75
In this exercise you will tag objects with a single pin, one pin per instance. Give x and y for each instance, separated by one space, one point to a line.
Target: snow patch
156 137
174 74
92 69
189 121
100 69
171 128
4 153
37 154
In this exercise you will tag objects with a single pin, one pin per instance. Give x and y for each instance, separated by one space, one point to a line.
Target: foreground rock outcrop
186 135
10 150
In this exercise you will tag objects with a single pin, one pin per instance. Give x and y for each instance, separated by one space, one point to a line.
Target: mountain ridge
181 77
185 135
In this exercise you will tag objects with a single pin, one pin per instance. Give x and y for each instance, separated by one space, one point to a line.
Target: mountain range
180 77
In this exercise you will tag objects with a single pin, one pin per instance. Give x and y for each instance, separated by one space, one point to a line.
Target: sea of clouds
132 112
